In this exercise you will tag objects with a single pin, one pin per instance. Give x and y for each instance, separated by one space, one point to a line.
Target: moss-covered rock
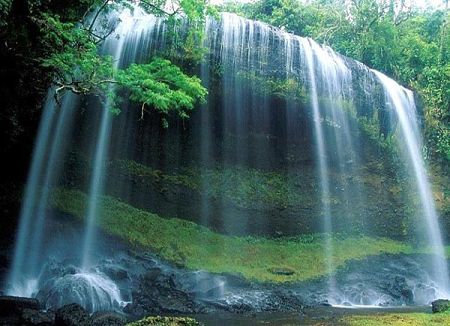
244 187
165 321
246 201
440 305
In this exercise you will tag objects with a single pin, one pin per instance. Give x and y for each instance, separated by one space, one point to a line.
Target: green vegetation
288 89
410 44
163 86
165 321
398 319
4 9
259 190
75 65
292 192
65 49
196 247
441 192
244 187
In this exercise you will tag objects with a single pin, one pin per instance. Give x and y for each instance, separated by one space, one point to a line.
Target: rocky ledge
25 311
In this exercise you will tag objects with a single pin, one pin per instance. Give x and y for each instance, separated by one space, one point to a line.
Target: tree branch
162 11
91 26
76 88
142 111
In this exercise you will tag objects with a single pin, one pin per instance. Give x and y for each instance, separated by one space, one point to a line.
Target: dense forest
238 162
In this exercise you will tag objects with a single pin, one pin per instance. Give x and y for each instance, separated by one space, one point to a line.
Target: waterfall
114 46
327 70
45 169
402 101
243 126
321 156
246 47
206 121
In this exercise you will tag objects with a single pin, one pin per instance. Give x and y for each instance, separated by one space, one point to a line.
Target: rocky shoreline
149 286
28 312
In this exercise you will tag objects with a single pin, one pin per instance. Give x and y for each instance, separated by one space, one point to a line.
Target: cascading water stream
322 159
206 135
329 78
51 173
402 101
45 168
114 45
328 72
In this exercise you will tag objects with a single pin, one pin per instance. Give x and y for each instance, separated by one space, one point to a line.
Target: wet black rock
239 307
156 287
386 280
27 312
37 317
383 280
287 300
116 274
72 315
23 311
107 318
440 305
160 292
15 305
165 289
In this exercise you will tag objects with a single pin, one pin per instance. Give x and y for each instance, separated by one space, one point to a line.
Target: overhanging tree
71 56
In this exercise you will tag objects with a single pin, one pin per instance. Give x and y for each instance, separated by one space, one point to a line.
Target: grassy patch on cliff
398 319
196 247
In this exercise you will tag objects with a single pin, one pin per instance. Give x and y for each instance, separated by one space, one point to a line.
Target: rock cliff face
258 127
246 162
